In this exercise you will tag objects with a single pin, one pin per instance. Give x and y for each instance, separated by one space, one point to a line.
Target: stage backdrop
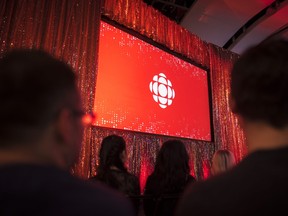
144 19
69 29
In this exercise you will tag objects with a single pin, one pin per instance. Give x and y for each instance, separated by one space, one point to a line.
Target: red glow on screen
143 88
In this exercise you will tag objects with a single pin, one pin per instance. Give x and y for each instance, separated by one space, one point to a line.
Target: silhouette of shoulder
236 189
123 181
50 191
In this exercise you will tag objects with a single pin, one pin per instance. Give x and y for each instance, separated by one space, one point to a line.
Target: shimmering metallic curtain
68 29
228 134
137 15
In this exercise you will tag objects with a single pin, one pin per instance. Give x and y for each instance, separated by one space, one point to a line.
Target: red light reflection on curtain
206 169
146 170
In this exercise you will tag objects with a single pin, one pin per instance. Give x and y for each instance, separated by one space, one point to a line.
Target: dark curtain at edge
69 30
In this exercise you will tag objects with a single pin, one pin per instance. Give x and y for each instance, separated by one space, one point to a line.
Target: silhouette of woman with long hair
170 177
112 170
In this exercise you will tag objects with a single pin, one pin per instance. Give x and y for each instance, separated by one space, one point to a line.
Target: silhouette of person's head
112 154
259 84
172 158
259 93
222 161
40 112
172 165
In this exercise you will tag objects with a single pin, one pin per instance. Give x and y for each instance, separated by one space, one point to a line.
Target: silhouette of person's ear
66 137
63 126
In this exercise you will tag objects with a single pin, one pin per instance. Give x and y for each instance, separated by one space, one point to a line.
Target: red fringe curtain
137 15
228 134
69 29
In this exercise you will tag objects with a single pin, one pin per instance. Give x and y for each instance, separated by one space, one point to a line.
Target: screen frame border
171 52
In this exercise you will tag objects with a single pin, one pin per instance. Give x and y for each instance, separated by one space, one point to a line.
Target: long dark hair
110 154
172 166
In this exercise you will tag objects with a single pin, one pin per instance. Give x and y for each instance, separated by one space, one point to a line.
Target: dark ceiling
174 9
230 24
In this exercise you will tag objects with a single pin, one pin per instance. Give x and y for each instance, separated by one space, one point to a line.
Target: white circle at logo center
162 90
